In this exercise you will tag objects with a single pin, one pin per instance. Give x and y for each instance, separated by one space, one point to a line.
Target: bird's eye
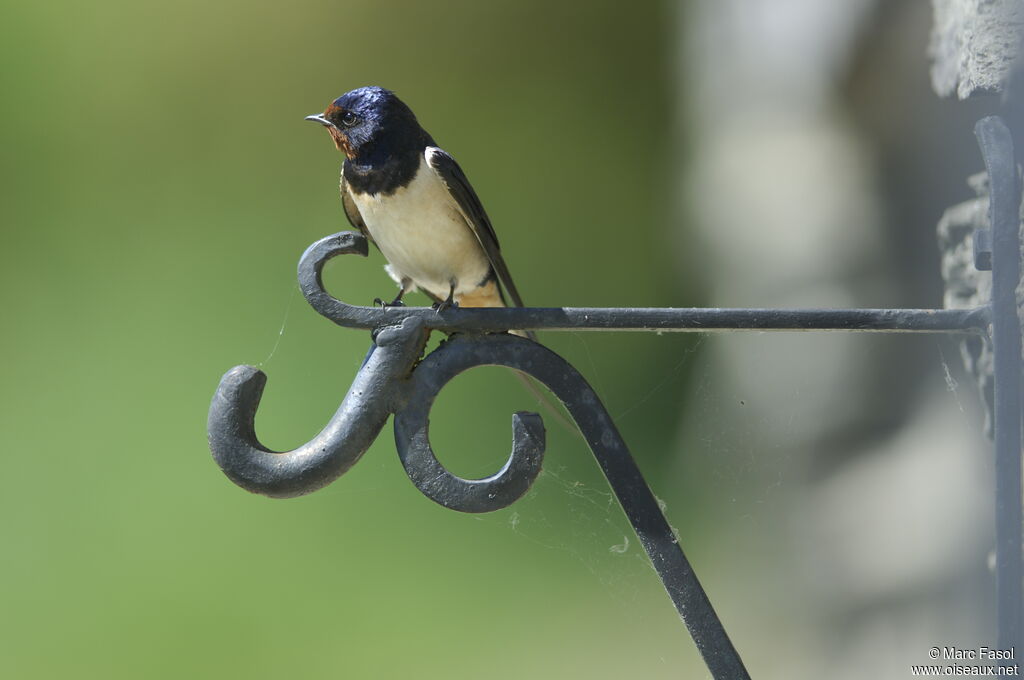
348 119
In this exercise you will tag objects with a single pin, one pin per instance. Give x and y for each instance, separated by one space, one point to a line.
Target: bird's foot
449 303
445 305
397 302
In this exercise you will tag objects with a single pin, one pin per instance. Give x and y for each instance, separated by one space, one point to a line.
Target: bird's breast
422 233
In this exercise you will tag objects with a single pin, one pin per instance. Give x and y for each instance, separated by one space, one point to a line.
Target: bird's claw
444 305
397 302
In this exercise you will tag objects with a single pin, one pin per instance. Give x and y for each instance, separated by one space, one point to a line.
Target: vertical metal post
996 144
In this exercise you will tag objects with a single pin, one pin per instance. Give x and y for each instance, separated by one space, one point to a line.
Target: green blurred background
158 186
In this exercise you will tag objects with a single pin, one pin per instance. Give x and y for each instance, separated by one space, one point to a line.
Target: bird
411 199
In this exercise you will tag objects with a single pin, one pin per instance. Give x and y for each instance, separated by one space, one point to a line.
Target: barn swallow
412 200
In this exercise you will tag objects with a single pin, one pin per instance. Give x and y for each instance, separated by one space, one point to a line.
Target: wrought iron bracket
393 380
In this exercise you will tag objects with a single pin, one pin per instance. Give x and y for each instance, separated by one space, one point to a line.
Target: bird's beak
340 140
319 118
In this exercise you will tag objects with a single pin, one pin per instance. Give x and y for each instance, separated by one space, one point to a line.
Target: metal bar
657 319
695 320
512 481
1004 215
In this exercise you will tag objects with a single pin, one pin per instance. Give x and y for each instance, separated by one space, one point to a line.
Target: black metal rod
657 537
375 391
1004 215
657 319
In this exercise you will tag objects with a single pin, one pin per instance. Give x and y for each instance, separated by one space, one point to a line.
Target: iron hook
371 399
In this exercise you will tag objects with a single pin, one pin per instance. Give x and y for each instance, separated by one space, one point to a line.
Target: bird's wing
351 211
473 212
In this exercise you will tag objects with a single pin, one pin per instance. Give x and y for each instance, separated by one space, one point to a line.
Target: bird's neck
379 170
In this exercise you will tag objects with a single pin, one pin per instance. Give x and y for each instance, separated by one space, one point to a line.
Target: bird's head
361 119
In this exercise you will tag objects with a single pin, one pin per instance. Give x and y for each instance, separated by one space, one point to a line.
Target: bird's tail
490 296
